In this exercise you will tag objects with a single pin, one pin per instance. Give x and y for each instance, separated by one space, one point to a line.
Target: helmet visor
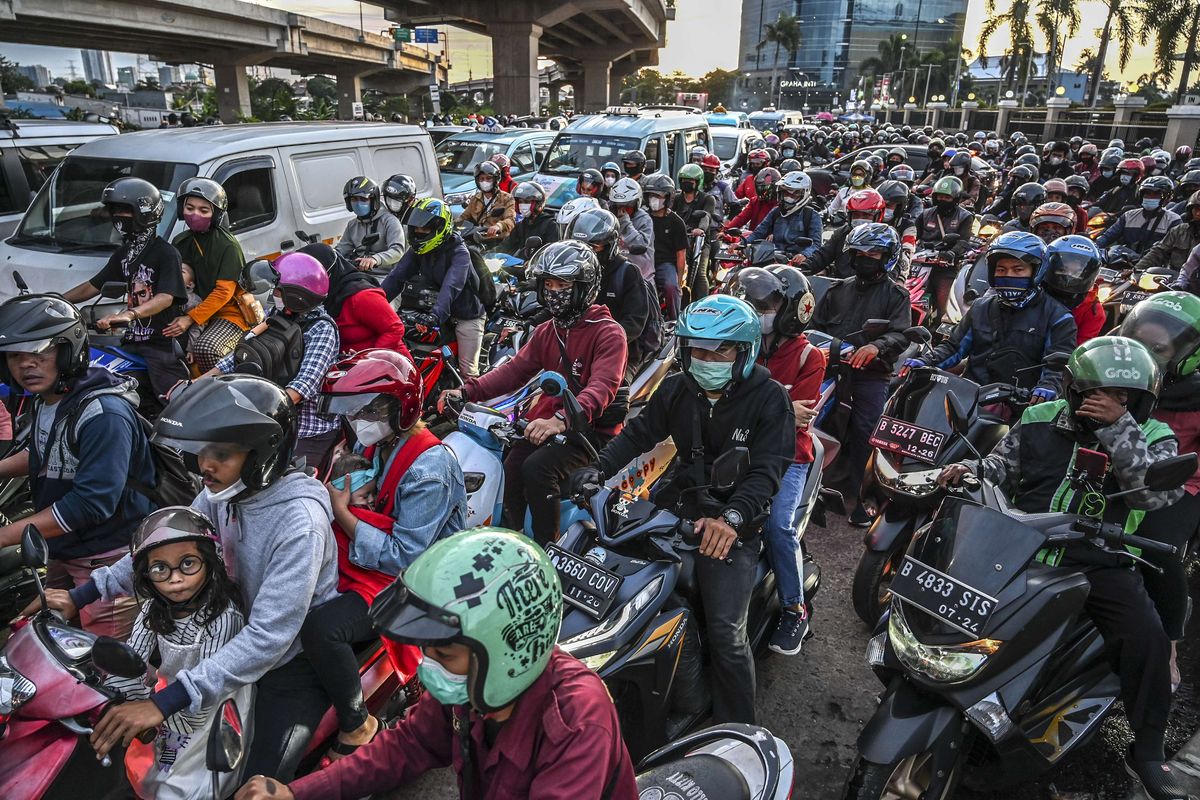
1169 339
36 347
218 451
171 526
1074 272
350 406
398 613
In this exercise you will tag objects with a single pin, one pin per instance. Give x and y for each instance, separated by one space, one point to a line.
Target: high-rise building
836 36
97 67
127 76
168 75
36 73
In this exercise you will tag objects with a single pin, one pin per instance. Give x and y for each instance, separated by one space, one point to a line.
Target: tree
718 83
79 87
12 80
1119 19
1174 27
322 86
894 52
784 33
1016 60
272 98
1058 20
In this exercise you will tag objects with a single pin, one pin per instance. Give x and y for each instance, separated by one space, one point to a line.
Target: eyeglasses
161 571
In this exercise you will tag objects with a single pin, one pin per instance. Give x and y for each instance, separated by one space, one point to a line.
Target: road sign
425 35
356 110
402 34
435 97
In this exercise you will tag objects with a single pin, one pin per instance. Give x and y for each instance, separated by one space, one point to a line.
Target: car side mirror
651 166
35 553
1171 473
728 468
117 658
112 290
225 739
959 417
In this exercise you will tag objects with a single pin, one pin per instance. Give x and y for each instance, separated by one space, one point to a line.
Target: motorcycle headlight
607 631
1149 282
914 484
1104 293
943 663
458 198
15 689
72 643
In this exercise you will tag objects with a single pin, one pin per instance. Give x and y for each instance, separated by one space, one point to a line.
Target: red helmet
1059 214
1088 149
710 162
761 156
355 382
1183 152
1055 186
501 161
866 201
1133 165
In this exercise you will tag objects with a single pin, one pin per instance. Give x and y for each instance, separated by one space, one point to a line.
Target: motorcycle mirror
728 468
651 166
959 418
112 290
970 295
918 334
1171 473
117 658
553 384
1056 361
225 742
533 244
875 327
20 282
35 553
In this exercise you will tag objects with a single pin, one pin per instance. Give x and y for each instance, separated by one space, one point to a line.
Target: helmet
790 165
1189 179
1076 142
1077 182
771 139
1058 147
613 167
936 148
876 237
173 524
692 173
361 186
1113 362
784 290
302 281
1156 183
1162 159
502 161
766 181
1132 166
1059 214
697 153
572 209
758 159
434 215
876 163
240 410
625 192
32 323
772 154
572 261
949 186
992 147
903 173
1143 143
1021 174
1025 247
530 192
786 145
1055 186
140 197
861 166
1111 159
896 195
662 186
208 190
715 320
1149 164
1193 163
491 589
595 226
794 191
1072 264
399 193
961 160
1168 324
489 170
1117 143
865 201
979 136
1183 152
897 155
1031 159
1193 202
1088 150
636 158
1027 195
356 382
711 164
589 183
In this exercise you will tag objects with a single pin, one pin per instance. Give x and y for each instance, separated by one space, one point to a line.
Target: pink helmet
303 282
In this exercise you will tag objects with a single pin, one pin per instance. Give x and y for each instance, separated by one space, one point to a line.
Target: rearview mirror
35 553
553 384
918 334
1171 473
1056 360
112 290
117 658
875 327
225 742
959 417
651 166
728 468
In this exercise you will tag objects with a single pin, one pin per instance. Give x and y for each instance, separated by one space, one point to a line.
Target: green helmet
1169 325
434 215
691 172
488 588
948 185
1114 362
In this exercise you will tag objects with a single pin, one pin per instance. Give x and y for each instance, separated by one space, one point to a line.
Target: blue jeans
783 540
666 277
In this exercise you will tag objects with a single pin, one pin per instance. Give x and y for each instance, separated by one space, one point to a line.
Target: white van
283 179
30 150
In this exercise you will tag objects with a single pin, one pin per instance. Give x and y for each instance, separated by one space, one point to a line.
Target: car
439 132
731 145
458 155
728 119
827 179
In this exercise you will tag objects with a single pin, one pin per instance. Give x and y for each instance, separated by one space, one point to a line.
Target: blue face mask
446 687
1151 203
1013 292
362 208
711 375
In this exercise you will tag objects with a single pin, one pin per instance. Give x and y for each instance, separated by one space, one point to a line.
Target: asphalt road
818 700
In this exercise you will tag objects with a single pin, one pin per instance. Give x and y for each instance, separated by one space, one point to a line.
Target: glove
585 481
428 320
1043 395
913 363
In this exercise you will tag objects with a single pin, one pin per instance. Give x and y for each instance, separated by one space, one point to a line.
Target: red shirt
746 188
1186 426
562 742
1089 318
753 214
368 320
800 367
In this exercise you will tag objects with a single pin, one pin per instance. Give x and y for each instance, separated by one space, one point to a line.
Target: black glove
585 481
428 320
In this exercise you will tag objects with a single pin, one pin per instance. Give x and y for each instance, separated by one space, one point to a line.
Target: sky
697 41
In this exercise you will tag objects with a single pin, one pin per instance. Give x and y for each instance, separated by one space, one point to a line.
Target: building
98 67
127 76
168 75
836 37
990 81
36 73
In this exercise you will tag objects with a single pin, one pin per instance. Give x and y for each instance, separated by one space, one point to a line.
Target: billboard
695 99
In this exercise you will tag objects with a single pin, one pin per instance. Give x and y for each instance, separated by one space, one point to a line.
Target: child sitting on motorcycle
190 609
1110 387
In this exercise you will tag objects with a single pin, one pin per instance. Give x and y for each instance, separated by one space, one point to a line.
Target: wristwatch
733 518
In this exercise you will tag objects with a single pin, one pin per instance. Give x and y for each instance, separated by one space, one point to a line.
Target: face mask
1013 291
197 223
945 207
362 208
656 203
1055 161
609 180
789 153
767 322
486 186
446 687
1108 173
866 268
857 180
369 432
277 303
687 187
524 209
711 375
888 215
632 172
1151 203
558 303
228 493
959 170
124 227
788 201
1126 180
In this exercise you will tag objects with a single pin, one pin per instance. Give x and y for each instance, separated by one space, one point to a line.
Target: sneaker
859 517
790 633
1156 777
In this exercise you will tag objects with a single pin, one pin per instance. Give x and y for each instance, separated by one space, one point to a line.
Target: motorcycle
1129 286
731 761
993 673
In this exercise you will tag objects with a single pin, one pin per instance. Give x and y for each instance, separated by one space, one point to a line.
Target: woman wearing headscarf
364 317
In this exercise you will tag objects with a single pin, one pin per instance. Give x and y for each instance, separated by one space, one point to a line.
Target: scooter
731 762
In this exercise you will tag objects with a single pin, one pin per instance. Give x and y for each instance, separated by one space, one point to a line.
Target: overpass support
349 90
596 76
233 91
514 66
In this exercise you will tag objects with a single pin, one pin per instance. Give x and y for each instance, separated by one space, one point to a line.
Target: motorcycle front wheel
907 779
872 577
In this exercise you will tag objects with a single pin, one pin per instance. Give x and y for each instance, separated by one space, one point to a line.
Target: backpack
484 287
174 484
650 339
274 354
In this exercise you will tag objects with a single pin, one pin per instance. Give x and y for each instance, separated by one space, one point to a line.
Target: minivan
30 150
284 181
591 140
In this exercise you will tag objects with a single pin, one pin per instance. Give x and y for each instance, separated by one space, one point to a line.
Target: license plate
1109 275
906 439
951 601
509 322
586 586
1129 298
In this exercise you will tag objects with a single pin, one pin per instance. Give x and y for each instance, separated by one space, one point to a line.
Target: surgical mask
226 494
557 302
767 322
1108 173
524 209
656 203
1013 291
369 432
959 170
1055 161
789 153
857 180
711 375
1151 203
486 186
609 180
197 223
446 687
1126 179
361 208
277 303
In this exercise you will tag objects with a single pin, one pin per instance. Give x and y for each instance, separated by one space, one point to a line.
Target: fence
983 120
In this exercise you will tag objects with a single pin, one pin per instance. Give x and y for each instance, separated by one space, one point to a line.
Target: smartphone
1091 465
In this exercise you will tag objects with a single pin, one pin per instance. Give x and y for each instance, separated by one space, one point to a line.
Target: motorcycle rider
961 167
1124 193
611 172
590 183
1058 162
534 219
864 207
721 191
1018 176
490 208
946 218
439 256
794 219
1142 227
670 242
637 228
1088 162
1188 185
761 202
1052 220
374 237
721 400
399 195
860 178
1183 154
1025 200
756 161
897 212
1173 249
504 711
1110 385
506 182
585 345
934 150
1106 173
698 210
1074 264
633 165
819 154
843 312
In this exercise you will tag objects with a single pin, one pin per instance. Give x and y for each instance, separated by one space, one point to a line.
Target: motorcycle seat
711 774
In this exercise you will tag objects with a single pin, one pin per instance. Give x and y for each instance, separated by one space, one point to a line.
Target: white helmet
626 192
573 209
795 182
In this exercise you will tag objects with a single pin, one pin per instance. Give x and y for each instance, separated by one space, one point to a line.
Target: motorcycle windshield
921 401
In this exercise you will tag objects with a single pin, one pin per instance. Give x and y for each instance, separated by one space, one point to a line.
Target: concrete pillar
514 66
596 75
1055 106
909 111
1006 108
1125 108
968 108
349 90
935 114
1183 127
233 91
615 79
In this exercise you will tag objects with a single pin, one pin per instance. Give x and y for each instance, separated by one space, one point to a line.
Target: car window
540 149
459 156
8 203
522 160
673 145
651 151
39 163
251 198
726 147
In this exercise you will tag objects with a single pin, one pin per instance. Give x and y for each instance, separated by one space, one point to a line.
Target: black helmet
139 196
790 165
1076 142
1032 159
1029 195
660 184
399 193
208 190
895 193
784 290
245 411
1074 263
1058 147
530 192
635 157
361 186
961 159
1111 158
1022 173
34 322
1156 183
596 227
589 177
572 261
1191 178
1143 143
1078 182
1025 149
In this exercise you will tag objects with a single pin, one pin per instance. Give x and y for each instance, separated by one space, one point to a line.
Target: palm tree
784 33
1016 61
894 52
1174 27
1120 18
1058 20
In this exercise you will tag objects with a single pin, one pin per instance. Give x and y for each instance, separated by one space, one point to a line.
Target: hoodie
279 548
86 487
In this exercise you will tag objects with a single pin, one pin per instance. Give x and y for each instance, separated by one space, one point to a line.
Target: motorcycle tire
904 778
866 592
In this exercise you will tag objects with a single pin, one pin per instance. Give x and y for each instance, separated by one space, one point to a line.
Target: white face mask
656 203
609 180
226 494
369 432
767 321
278 303
486 186
524 209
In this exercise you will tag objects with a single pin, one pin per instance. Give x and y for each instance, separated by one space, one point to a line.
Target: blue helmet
876 236
1017 292
718 318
